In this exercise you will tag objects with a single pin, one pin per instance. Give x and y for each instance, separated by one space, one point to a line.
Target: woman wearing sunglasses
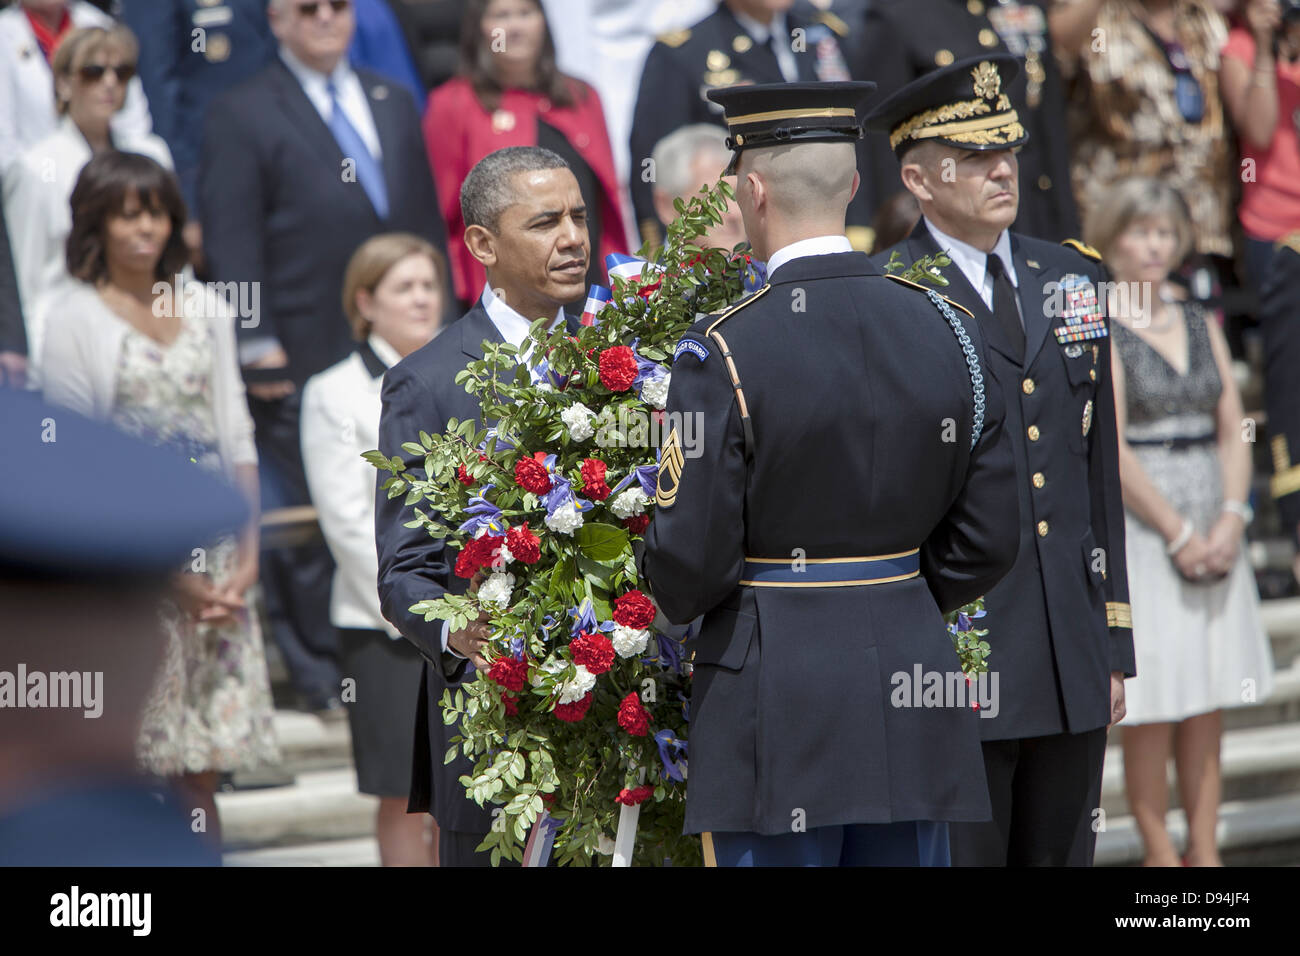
92 68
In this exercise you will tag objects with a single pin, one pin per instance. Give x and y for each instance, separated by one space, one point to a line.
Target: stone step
309 743
1282 705
1259 832
319 805
1256 762
361 851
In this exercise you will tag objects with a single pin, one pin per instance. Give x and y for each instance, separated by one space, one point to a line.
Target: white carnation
496 589
578 686
630 502
578 419
604 845
629 641
565 519
655 391
506 556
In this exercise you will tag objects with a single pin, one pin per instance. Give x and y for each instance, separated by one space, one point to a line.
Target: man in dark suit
302 163
1279 318
1059 623
904 39
13 332
527 224
743 41
851 490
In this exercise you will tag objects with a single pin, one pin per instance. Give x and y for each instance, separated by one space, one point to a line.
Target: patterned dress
211 706
1199 647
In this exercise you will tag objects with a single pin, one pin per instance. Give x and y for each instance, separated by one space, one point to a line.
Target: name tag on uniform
213 17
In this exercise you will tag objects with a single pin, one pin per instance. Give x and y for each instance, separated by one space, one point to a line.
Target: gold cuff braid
1119 615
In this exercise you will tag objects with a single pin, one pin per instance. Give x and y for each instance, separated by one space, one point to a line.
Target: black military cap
80 499
962 105
778 114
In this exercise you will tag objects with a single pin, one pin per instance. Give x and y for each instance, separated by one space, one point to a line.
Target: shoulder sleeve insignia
1083 249
1291 241
920 288
671 464
674 39
733 309
691 347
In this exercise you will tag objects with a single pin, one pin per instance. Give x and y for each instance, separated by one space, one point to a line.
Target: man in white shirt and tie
301 163
527 225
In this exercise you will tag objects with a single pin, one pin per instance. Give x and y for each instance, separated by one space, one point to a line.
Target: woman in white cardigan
130 348
90 68
392 294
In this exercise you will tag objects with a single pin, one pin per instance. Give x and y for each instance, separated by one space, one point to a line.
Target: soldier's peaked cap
964 104
782 114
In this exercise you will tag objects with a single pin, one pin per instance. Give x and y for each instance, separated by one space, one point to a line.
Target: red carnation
593 651
630 798
463 476
632 717
593 479
509 673
649 288
512 704
617 368
637 523
634 610
531 475
572 713
523 545
476 553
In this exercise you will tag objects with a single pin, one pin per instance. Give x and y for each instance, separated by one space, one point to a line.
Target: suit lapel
379 96
302 114
475 327
1037 322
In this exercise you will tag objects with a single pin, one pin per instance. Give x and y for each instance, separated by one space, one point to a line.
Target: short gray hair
674 154
488 190
1132 199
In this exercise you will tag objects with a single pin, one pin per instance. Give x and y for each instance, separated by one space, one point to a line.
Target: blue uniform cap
80 499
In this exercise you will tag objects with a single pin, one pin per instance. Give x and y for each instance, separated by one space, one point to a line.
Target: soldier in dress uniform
1059 623
903 39
854 487
743 41
1279 317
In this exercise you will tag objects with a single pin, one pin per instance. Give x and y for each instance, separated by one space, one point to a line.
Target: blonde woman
393 292
1185 471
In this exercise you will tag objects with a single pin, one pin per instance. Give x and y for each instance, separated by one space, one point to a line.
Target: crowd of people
310 158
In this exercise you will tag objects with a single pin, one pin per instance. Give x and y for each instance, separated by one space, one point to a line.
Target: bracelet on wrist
1184 536
1241 509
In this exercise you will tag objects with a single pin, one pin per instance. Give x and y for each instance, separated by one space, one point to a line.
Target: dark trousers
1046 793
457 848
908 843
295 581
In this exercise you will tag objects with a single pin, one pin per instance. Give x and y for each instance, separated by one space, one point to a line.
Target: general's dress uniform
1059 623
904 39
848 482
720 51
1279 317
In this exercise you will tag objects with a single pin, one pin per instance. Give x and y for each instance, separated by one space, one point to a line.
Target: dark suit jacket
276 210
13 333
420 393
1279 317
850 394
1048 619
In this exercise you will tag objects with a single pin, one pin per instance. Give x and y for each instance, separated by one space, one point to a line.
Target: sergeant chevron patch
671 465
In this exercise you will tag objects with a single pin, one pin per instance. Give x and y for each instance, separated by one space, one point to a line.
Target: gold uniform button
1033 433
1042 529
943 58
1092 374
988 38
1044 182
1028 386
974 7
717 60
742 43
1039 480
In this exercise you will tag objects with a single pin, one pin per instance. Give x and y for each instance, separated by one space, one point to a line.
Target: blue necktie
369 173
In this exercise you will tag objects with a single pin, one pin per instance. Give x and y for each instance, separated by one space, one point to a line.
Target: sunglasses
311 8
94 72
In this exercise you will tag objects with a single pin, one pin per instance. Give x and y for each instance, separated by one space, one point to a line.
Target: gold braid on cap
988 87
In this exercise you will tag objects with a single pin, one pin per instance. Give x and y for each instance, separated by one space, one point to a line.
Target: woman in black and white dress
1185 470
392 294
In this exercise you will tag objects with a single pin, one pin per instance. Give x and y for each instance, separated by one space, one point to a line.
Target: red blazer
458 132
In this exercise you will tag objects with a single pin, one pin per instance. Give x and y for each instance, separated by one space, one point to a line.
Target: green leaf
601 542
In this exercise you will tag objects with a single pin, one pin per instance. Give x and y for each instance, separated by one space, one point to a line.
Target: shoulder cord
972 362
